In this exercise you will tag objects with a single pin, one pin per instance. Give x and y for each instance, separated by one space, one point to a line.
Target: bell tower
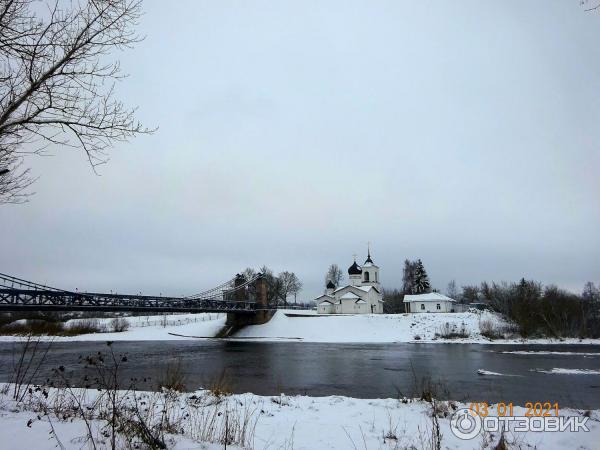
370 272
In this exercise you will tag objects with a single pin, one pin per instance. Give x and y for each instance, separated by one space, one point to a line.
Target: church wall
326 308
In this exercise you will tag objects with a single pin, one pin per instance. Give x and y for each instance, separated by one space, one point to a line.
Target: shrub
119 324
33 327
84 326
488 329
448 331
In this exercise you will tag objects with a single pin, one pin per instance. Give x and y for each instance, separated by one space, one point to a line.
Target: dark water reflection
357 370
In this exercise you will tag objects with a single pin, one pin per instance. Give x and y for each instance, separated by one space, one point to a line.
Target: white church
363 294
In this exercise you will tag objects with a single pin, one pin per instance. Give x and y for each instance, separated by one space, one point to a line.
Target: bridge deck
49 300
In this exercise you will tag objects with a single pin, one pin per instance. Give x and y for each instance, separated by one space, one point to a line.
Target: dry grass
220 387
40 327
448 331
173 377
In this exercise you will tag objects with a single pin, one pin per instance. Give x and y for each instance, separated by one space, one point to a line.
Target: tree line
415 280
537 310
544 310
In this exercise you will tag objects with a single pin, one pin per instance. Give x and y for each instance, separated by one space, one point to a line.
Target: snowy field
295 325
151 328
282 422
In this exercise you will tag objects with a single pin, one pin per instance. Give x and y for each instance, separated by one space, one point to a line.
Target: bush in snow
448 331
119 324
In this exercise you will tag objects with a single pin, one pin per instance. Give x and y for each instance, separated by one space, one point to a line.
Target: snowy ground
379 328
299 422
152 328
306 326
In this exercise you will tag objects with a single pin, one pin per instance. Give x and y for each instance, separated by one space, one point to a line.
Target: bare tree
249 273
470 294
334 274
56 85
590 5
590 292
452 290
290 284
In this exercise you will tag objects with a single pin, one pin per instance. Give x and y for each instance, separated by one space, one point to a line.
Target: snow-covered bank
381 328
282 422
306 326
150 328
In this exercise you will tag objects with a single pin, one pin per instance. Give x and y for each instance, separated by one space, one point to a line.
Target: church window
366 276
438 306
422 305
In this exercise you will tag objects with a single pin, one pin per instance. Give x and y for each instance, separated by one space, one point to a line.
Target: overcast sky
465 133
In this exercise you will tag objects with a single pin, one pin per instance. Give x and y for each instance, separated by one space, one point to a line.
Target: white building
361 296
432 302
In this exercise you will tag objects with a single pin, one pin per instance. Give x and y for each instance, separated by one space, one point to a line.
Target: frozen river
354 370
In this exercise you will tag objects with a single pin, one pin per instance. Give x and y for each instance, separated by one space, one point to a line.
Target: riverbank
205 420
306 326
145 328
468 328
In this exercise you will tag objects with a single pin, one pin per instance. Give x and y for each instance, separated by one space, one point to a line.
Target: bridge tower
262 314
260 286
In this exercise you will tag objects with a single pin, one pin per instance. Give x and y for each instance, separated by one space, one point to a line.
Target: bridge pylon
262 312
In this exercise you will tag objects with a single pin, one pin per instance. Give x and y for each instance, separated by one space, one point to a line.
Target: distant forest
537 310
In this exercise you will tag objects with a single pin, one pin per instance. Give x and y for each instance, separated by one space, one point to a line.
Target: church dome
330 285
354 269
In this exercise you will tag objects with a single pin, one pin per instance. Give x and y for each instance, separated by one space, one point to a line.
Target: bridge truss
16 294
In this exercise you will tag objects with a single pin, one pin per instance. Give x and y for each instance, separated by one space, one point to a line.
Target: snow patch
536 353
564 371
488 372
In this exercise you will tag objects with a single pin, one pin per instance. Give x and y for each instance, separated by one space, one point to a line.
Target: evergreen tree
408 277
421 280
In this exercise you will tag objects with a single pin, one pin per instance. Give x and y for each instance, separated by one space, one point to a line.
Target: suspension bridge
237 297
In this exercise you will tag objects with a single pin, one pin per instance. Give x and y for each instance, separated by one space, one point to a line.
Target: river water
355 370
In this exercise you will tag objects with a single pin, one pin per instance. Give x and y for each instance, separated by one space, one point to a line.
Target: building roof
354 269
429 297
349 295
362 288
369 262
325 301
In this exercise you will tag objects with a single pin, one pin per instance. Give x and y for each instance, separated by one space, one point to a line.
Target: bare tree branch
56 86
